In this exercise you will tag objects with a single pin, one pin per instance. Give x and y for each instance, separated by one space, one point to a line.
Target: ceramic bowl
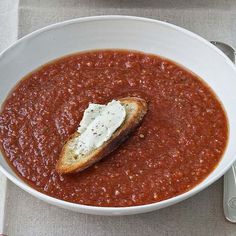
125 32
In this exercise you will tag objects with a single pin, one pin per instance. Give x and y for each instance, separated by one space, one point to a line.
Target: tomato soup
180 141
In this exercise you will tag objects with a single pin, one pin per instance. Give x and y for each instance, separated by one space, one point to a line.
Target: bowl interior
140 34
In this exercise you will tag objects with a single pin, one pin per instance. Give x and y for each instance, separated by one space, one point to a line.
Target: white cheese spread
98 124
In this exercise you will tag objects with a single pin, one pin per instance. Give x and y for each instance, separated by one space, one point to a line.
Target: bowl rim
117 210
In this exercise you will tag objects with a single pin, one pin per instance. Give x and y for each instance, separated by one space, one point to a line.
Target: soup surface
180 141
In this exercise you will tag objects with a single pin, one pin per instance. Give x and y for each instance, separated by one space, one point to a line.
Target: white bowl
124 32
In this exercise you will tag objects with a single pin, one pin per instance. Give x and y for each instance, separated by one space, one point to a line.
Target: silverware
229 198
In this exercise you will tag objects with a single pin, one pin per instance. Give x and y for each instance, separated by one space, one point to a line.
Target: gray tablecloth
199 215
8 34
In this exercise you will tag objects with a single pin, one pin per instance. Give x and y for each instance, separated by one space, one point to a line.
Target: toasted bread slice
69 162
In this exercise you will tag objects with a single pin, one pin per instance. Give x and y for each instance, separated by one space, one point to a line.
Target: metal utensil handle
229 198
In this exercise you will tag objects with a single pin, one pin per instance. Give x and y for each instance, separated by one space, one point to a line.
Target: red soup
180 141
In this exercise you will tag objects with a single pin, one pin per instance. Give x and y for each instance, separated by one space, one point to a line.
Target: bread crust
131 122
